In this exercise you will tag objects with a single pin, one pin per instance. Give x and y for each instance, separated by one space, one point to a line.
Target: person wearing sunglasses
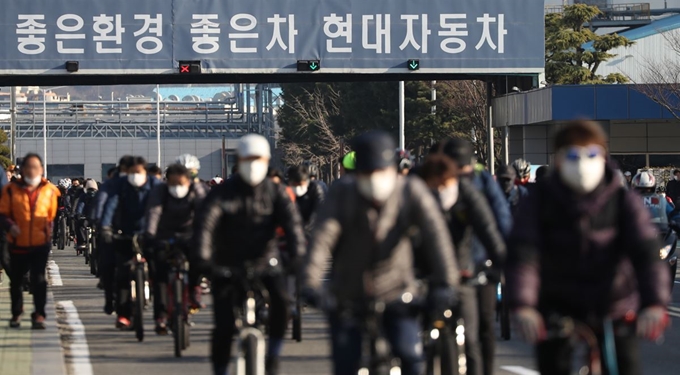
583 247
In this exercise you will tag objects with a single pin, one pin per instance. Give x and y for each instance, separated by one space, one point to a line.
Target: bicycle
445 348
61 228
90 250
250 301
139 285
178 296
502 310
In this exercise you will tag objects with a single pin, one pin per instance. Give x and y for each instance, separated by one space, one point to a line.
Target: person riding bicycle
365 225
404 161
124 214
106 253
645 184
170 216
468 214
506 176
309 195
27 209
63 204
237 226
584 248
313 170
523 170
86 204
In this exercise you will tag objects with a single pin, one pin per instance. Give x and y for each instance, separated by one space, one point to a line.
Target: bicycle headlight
663 253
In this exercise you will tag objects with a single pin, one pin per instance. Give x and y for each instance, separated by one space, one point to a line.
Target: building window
105 169
56 172
630 163
663 161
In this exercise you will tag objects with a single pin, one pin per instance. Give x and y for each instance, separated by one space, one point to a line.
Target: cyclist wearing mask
365 226
63 204
84 209
506 176
237 225
468 213
106 253
27 209
596 262
124 214
170 216
309 195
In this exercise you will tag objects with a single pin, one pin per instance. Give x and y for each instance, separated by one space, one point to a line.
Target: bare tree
660 77
316 110
466 100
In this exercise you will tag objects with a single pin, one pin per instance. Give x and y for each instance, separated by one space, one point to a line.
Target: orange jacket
34 222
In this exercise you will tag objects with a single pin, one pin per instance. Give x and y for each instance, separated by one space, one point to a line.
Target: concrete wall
93 153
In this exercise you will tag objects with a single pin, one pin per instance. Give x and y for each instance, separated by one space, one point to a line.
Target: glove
107 234
442 299
310 297
651 323
530 324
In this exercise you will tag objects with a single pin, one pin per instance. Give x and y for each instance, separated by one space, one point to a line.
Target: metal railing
135 119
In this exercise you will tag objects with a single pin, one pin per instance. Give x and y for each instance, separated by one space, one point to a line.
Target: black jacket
673 191
237 223
309 204
471 215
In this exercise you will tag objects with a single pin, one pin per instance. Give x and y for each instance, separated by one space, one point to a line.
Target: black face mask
506 184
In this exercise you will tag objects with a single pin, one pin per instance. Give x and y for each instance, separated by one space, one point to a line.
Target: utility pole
434 97
13 122
402 116
158 124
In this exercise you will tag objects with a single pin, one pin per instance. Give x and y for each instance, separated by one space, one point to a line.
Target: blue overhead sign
264 36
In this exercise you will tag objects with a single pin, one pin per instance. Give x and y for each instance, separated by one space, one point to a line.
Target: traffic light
71 66
189 67
413 65
308 65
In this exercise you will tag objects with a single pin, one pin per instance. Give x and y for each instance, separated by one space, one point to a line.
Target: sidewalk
24 351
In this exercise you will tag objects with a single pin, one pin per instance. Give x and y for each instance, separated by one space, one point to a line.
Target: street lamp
44 97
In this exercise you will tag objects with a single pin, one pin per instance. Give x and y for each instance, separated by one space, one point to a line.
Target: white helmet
644 180
188 161
216 181
253 145
64 183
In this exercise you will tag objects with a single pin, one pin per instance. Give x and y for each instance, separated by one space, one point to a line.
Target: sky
655 4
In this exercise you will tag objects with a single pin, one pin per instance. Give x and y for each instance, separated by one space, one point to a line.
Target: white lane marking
519 370
53 273
73 339
674 314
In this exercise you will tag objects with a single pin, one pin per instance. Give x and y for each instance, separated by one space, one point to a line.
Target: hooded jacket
370 247
599 256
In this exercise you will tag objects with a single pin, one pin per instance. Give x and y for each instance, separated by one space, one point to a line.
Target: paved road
113 352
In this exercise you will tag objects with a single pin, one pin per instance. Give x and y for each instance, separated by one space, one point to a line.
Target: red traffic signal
189 67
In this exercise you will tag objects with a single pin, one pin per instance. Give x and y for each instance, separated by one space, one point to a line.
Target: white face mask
301 190
448 196
35 181
378 186
583 175
136 179
178 191
253 172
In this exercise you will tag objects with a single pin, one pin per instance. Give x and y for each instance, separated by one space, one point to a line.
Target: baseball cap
253 145
374 150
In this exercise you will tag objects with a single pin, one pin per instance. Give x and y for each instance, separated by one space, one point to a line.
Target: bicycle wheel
187 335
93 257
177 318
139 302
505 315
441 355
61 239
253 364
297 318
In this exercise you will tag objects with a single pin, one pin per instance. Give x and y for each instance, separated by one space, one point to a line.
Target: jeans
486 301
34 260
555 355
401 331
224 317
159 270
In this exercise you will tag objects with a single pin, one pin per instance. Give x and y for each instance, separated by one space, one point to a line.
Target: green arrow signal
414 65
313 66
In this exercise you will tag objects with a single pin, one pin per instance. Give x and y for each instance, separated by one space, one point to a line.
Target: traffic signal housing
308 65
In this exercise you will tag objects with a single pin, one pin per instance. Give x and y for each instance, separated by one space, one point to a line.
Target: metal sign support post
402 116
13 123
158 123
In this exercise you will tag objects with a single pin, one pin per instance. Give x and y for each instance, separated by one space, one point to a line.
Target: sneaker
15 322
37 321
123 323
161 327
